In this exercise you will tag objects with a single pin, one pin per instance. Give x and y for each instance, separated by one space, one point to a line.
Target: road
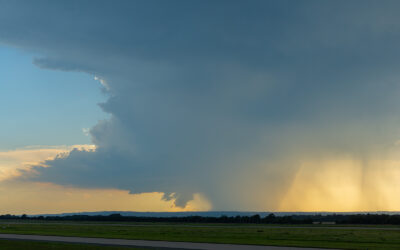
145 243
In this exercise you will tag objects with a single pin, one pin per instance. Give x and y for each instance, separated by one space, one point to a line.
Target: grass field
35 245
191 224
305 237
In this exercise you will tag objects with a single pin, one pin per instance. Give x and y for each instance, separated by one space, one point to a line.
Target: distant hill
210 213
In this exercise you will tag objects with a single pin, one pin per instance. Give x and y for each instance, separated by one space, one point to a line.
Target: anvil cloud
230 99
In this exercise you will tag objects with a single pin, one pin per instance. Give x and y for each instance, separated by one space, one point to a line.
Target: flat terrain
148 244
33 245
304 236
216 225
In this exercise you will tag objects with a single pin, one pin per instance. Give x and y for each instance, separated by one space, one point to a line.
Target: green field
305 237
35 245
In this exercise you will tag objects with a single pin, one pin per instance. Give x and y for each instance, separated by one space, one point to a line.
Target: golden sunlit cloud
12 161
38 198
320 184
18 197
344 184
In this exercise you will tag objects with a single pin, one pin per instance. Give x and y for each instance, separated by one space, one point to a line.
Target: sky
199 105
38 104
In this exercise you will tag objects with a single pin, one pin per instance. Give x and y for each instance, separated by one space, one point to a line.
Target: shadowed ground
143 243
352 237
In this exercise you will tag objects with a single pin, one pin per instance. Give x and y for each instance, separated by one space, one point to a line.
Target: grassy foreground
309 237
35 245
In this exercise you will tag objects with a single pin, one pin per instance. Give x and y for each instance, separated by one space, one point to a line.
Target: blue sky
248 104
44 107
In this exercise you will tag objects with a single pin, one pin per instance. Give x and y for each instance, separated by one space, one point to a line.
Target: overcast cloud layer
223 98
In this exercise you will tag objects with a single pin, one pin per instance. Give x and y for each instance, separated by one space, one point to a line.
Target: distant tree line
256 219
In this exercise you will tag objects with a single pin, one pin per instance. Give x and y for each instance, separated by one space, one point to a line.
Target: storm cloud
223 98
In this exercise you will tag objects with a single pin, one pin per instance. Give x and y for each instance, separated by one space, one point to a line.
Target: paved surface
145 243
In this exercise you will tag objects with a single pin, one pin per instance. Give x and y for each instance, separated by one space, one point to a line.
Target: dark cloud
218 97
